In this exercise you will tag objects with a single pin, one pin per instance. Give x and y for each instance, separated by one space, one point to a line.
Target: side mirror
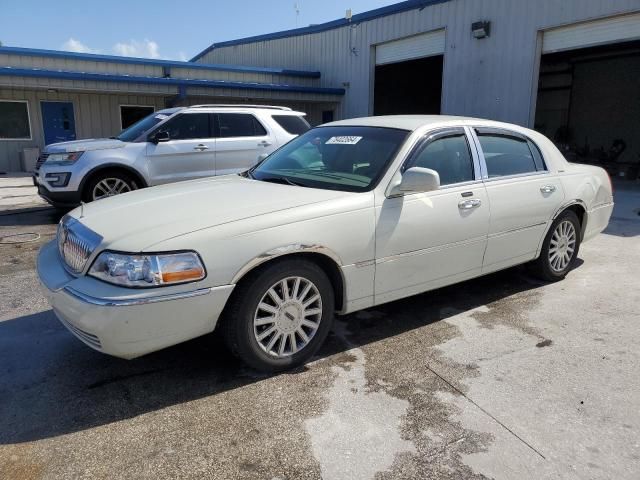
417 180
161 136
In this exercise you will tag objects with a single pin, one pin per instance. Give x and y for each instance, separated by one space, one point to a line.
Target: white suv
170 145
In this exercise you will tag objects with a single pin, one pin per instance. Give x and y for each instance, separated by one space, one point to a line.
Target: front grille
88 338
76 243
41 159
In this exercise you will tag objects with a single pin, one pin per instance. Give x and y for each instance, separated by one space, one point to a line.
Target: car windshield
338 158
141 126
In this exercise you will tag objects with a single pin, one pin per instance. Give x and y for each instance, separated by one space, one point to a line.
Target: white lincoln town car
346 216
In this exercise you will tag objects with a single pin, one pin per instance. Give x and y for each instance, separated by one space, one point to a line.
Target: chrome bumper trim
104 302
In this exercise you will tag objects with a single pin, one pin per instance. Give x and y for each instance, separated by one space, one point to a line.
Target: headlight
64 158
148 270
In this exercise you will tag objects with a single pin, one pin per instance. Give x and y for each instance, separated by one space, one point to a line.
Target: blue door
58 122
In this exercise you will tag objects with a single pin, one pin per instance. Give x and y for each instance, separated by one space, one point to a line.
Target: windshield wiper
283 180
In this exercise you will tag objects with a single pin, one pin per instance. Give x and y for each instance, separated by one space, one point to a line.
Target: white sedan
349 215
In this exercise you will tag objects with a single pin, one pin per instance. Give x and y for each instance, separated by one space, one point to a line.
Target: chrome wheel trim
108 187
562 246
287 317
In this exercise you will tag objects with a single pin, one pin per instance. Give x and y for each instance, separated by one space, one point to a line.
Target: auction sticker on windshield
346 140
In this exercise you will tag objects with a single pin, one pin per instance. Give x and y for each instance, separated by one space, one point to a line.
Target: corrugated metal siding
493 77
97 115
417 46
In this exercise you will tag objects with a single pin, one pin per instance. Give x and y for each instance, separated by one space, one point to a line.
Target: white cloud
134 48
73 45
182 57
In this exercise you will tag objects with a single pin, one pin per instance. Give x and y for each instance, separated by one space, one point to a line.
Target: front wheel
279 317
108 184
560 248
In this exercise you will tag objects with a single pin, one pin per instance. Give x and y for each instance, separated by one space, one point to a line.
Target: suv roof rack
238 105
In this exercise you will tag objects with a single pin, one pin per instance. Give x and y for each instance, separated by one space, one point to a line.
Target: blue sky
158 28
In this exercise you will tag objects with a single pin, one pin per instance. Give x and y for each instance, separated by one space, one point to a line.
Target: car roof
414 122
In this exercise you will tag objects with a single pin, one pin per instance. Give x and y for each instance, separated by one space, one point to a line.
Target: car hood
137 220
84 145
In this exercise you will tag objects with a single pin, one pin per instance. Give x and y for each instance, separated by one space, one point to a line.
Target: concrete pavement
501 377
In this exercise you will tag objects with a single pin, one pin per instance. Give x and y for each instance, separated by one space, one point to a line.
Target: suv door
189 153
240 140
523 196
427 240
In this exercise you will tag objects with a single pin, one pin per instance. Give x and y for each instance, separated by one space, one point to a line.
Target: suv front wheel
107 184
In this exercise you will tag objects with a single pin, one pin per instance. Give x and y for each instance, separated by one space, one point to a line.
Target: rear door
523 196
240 140
189 153
427 240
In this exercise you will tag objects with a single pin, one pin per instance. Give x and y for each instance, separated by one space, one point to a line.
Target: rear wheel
108 184
280 316
560 248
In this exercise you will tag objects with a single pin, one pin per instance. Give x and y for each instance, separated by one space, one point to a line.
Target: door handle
548 188
264 143
201 147
469 204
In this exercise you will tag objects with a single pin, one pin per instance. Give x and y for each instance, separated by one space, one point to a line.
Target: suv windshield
339 158
134 131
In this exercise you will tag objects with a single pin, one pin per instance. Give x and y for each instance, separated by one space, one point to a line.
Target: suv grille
76 243
41 159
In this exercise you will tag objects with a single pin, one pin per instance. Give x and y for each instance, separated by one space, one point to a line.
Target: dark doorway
130 114
413 86
589 105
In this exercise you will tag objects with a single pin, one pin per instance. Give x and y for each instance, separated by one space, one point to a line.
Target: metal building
569 68
50 96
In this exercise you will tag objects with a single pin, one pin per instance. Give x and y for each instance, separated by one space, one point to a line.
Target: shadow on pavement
51 384
30 216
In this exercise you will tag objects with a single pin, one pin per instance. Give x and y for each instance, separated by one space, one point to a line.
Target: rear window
292 124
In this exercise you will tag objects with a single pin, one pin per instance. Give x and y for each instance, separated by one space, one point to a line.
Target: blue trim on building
35 52
323 27
179 82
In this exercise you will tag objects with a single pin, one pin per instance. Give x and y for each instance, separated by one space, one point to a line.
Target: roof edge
322 27
92 57
184 82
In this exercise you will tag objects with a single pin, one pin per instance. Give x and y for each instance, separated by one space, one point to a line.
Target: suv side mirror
417 180
160 136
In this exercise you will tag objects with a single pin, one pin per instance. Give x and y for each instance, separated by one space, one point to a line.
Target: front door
523 196
189 153
241 140
427 240
58 122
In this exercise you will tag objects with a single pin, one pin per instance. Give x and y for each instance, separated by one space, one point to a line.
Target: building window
14 120
130 114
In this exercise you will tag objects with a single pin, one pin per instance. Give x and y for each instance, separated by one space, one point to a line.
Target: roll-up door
588 34
409 48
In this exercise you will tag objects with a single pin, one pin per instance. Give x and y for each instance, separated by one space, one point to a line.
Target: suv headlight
66 158
153 270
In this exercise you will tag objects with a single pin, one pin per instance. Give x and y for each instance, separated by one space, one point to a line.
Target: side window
187 126
507 155
449 156
239 125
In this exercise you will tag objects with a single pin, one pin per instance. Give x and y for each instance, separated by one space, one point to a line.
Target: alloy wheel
287 316
562 246
108 187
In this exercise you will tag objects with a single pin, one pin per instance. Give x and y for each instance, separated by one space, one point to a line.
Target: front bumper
66 198
123 322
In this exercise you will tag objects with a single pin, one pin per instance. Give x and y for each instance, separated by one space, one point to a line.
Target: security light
481 29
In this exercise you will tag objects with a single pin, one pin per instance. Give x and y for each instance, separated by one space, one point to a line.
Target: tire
120 181
565 230
245 322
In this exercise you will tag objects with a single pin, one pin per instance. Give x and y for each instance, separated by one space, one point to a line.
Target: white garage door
589 34
408 48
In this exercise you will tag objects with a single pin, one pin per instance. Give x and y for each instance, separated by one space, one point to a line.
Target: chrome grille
76 243
41 159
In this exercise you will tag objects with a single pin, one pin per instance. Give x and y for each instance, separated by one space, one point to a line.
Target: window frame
477 131
432 136
29 124
176 115
216 125
152 107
